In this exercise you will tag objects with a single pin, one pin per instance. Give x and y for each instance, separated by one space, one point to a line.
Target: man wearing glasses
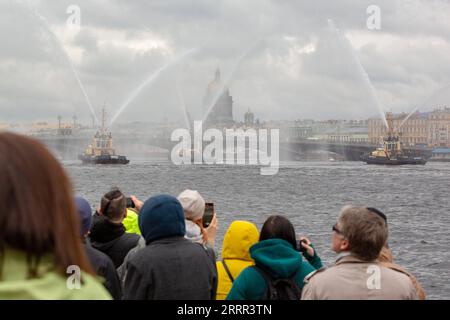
357 238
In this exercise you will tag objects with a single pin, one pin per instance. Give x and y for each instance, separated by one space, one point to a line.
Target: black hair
378 212
278 227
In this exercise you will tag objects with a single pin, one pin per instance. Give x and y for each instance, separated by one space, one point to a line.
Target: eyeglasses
335 229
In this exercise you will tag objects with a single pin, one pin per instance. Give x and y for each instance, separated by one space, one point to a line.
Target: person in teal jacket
276 253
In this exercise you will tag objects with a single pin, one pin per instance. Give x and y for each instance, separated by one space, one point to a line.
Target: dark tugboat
391 152
101 150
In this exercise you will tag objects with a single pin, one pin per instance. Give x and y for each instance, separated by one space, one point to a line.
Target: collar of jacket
347 257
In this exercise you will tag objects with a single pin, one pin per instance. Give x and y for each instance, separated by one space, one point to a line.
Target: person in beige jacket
358 237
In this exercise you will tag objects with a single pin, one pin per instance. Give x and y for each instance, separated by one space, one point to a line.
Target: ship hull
393 162
103 159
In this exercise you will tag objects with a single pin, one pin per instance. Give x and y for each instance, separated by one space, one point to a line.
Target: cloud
299 69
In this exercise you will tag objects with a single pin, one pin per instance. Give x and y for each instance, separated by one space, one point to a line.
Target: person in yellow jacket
240 236
131 222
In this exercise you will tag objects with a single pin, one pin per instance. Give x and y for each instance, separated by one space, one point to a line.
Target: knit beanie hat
193 204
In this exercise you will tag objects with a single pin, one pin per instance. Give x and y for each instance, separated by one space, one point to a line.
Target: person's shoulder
399 279
319 275
252 274
396 273
198 249
312 275
132 238
97 257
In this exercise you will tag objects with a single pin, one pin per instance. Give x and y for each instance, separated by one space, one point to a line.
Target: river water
415 199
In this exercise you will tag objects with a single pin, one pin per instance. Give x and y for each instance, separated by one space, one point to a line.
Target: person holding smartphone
201 220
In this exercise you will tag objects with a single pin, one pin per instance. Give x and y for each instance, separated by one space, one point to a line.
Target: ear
344 245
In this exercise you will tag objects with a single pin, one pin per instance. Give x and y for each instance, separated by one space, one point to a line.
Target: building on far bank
422 128
439 128
412 132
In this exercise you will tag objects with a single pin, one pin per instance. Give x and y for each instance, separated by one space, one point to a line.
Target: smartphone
130 203
209 214
300 248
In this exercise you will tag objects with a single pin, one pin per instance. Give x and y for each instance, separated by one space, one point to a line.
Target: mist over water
414 198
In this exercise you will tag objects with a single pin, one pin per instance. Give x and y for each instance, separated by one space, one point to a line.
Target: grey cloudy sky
293 65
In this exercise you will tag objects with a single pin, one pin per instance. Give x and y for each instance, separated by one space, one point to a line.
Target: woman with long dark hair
279 268
41 254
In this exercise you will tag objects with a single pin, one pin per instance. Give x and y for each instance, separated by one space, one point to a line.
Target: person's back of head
278 227
193 207
365 231
193 204
85 214
238 239
161 217
37 210
113 205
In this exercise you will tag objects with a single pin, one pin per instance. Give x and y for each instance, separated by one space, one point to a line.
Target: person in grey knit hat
194 207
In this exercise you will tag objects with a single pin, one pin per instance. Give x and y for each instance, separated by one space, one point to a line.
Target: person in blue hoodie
275 253
102 264
169 267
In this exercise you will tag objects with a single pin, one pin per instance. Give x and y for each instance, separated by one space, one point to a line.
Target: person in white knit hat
194 208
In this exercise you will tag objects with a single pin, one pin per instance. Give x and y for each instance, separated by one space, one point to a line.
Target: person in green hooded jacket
276 253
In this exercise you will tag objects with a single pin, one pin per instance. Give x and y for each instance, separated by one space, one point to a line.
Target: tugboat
391 152
101 150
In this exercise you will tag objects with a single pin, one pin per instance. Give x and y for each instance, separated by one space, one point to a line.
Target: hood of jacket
240 236
161 217
277 257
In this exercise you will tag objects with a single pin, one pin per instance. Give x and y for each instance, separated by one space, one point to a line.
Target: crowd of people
161 248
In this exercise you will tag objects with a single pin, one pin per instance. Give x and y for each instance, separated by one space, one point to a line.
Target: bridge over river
69 146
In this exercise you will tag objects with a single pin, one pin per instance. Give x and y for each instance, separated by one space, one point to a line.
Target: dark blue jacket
170 266
104 267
